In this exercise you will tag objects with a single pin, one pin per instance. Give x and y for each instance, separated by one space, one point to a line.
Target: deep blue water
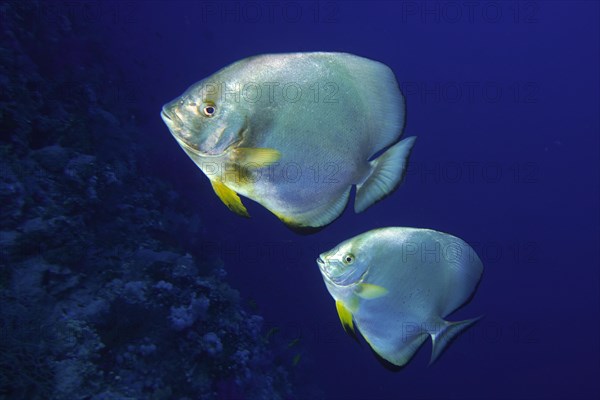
504 99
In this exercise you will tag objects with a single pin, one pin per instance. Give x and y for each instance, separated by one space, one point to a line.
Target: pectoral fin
369 291
345 317
230 198
251 158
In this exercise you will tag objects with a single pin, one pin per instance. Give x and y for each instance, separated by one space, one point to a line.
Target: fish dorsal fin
369 291
345 317
252 158
387 172
230 198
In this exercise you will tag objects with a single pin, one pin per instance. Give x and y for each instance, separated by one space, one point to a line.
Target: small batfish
396 285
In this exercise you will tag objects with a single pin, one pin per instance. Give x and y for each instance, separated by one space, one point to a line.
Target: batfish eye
348 259
209 110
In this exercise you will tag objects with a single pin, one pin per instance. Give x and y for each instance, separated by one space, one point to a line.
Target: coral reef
98 297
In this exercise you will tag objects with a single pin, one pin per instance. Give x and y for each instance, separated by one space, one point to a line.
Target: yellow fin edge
345 316
230 198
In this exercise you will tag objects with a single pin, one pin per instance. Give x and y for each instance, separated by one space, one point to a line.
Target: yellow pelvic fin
345 316
248 157
230 198
369 291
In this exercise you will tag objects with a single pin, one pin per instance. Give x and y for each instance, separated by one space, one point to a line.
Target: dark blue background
503 97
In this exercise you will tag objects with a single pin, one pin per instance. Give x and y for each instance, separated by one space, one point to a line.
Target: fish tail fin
443 336
387 172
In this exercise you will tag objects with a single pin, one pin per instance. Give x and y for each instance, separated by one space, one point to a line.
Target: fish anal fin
252 158
230 198
315 219
448 331
345 317
369 291
397 352
387 172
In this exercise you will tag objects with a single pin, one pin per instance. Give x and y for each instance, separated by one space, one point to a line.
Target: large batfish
294 132
396 285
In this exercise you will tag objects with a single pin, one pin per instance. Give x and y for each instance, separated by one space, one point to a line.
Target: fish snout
323 263
172 111
325 266
165 114
169 114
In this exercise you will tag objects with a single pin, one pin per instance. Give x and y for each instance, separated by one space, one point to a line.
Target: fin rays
230 198
444 336
345 317
387 172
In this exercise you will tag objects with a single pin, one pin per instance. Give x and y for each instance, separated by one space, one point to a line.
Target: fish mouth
327 268
177 129
169 118
324 266
175 125
164 115
171 124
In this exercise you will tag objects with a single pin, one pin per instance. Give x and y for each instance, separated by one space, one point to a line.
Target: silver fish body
398 284
294 132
